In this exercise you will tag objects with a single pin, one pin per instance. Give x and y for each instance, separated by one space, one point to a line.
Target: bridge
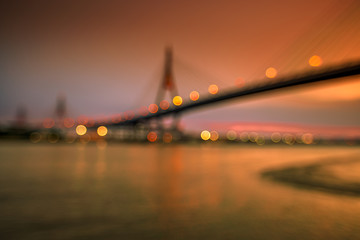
314 76
149 119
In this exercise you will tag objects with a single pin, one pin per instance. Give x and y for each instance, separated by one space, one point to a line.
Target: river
135 191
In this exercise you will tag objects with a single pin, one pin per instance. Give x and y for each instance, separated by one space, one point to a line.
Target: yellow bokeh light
214 136
194 95
271 72
213 89
177 100
102 131
315 61
205 135
80 130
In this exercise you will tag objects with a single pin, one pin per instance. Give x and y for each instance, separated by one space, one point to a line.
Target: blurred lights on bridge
164 105
213 89
102 131
315 61
194 95
153 108
271 72
81 130
177 100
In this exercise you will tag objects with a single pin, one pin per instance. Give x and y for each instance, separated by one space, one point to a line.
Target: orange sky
106 57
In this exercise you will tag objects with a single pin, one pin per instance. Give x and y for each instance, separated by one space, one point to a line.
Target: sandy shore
341 177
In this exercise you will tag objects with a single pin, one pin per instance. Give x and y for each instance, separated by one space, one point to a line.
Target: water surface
169 192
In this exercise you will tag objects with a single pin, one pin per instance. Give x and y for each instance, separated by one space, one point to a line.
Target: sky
107 57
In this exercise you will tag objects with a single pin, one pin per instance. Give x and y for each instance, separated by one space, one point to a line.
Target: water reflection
168 192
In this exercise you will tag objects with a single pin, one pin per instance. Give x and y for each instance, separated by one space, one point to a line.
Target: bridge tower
60 111
167 90
167 84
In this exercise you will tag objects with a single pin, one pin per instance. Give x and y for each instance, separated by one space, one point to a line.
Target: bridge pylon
166 92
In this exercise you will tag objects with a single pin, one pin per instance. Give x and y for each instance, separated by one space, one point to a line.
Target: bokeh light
244 137
48 123
315 61
260 140
213 89
307 138
53 137
271 72
288 139
152 136
214 136
205 135
167 137
231 135
80 130
276 137
164 105
153 108
177 100
194 95
102 131
69 122
143 111
35 137
253 136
